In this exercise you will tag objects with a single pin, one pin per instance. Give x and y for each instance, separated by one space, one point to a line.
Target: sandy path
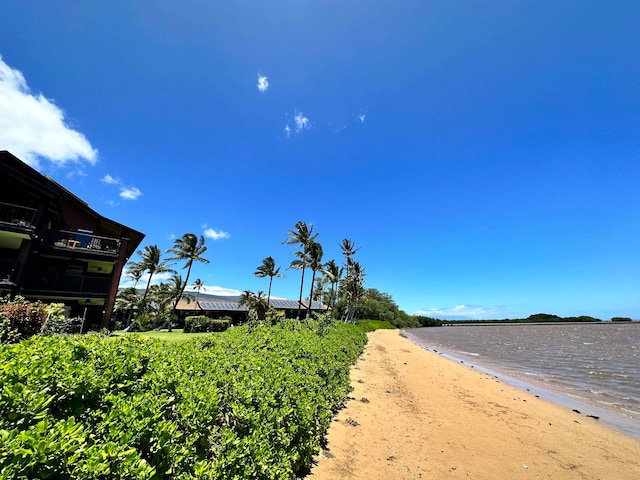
414 415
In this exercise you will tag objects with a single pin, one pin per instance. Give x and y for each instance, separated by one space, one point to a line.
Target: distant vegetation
621 319
371 325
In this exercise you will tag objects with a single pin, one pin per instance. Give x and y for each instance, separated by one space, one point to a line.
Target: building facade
55 248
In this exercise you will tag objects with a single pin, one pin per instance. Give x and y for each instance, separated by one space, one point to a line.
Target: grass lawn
176 335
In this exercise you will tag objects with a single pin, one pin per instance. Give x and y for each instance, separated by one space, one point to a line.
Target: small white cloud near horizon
461 312
128 282
33 127
217 290
126 192
263 83
216 234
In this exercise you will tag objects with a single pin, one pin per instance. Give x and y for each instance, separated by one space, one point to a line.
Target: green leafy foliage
233 405
201 324
371 325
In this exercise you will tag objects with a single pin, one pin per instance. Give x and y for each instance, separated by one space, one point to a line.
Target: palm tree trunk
313 279
269 293
175 304
300 299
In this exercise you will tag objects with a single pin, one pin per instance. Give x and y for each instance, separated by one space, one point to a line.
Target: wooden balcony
17 217
82 242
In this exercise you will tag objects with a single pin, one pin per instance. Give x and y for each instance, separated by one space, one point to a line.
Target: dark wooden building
55 248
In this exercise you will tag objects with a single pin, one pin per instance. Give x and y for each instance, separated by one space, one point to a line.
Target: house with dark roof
221 307
55 248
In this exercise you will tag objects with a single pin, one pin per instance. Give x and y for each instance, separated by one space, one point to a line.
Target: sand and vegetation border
414 414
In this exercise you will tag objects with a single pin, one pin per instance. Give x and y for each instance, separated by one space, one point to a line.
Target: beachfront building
56 249
222 307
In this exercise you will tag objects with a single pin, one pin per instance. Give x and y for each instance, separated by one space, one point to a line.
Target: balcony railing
17 216
70 283
82 241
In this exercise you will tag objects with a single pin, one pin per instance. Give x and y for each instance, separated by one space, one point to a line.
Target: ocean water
593 367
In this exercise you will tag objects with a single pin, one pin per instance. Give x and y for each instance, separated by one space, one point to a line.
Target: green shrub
201 324
235 405
58 325
371 325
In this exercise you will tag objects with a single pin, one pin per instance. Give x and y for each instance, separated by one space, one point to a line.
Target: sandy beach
414 414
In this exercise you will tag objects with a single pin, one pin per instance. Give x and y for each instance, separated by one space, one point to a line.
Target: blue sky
485 155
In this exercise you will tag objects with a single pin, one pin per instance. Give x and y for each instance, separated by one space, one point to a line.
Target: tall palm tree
348 250
332 272
315 264
268 269
188 249
198 285
352 290
301 236
152 264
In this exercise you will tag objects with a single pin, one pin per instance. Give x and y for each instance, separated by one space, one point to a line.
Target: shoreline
414 414
626 425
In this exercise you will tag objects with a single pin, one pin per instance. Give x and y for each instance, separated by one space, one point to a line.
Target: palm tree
268 269
167 293
352 290
348 250
255 302
315 264
152 264
332 273
301 236
198 285
135 271
189 249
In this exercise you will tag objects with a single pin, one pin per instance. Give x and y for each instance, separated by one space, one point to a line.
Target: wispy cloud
216 290
216 234
33 127
287 130
361 117
158 278
130 193
263 83
302 122
126 192
462 312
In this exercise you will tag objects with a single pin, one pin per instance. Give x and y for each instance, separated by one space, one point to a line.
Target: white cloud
109 180
215 234
302 122
287 130
263 83
127 282
130 193
361 117
32 126
126 192
462 312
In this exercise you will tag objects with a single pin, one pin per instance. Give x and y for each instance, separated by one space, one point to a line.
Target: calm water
593 365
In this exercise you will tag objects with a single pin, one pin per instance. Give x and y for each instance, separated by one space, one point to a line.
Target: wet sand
414 414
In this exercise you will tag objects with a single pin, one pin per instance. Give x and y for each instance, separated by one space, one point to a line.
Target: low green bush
201 324
234 405
371 325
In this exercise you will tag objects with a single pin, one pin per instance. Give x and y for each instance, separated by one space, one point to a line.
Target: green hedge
200 324
371 325
237 405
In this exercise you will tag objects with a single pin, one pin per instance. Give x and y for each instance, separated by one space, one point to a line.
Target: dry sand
414 414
